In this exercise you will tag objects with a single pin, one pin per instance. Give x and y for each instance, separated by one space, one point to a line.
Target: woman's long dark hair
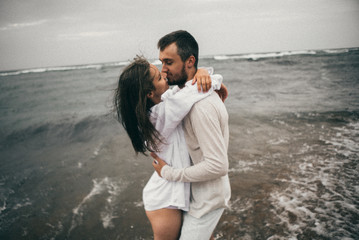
133 106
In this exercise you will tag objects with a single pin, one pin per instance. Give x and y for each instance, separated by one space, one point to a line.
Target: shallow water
68 170
295 177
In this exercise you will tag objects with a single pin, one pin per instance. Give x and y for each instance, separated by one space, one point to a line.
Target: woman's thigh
166 223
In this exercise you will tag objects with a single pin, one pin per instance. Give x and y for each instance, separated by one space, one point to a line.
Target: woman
151 115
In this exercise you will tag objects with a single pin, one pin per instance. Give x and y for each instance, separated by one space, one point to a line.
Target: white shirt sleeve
209 69
176 104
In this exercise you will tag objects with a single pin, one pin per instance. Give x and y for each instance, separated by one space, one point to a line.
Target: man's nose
164 68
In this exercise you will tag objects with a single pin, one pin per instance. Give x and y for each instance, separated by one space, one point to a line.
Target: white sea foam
106 218
347 139
244 206
316 197
336 50
245 166
25 203
104 186
139 204
256 56
55 229
95 153
224 57
97 150
305 148
277 141
99 187
64 68
3 207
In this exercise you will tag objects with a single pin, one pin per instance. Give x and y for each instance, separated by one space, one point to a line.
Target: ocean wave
64 130
330 51
258 56
63 68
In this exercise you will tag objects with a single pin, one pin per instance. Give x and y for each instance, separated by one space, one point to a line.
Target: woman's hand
203 80
157 163
222 92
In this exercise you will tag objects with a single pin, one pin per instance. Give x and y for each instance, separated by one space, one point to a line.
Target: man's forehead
170 52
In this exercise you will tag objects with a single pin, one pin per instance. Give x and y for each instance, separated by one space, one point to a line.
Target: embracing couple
186 130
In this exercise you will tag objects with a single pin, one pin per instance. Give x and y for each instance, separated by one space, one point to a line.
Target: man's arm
206 127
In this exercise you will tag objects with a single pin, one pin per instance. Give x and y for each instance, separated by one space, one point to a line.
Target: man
206 133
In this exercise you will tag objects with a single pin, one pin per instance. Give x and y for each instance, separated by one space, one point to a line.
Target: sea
68 170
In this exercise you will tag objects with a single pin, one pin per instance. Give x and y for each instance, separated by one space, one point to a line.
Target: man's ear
190 61
150 95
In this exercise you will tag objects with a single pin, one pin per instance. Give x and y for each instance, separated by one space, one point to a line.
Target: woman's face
160 84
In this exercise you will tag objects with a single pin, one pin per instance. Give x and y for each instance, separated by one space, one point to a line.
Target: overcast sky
42 33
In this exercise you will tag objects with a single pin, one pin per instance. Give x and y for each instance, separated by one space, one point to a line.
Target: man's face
173 65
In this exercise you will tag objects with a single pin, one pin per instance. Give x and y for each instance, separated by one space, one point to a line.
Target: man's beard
180 79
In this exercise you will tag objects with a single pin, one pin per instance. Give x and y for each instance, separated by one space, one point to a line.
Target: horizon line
120 62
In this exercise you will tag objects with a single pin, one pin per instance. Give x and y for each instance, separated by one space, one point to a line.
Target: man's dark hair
186 44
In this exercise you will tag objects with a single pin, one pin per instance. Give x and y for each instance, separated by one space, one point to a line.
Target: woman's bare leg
166 223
